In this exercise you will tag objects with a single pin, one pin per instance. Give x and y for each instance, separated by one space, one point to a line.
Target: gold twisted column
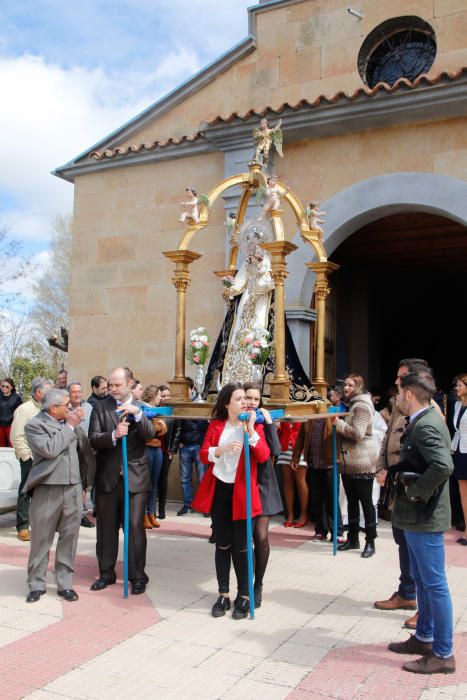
278 250
321 270
182 258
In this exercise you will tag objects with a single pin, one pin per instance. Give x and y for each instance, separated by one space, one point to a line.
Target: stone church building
373 102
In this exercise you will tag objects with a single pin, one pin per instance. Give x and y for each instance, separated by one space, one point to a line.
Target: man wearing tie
105 432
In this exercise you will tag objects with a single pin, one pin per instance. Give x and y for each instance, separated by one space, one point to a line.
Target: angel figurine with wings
313 215
271 195
189 209
266 137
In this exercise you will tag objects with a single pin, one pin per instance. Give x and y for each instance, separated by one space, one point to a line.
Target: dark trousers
162 486
360 491
406 583
22 505
322 497
109 511
230 539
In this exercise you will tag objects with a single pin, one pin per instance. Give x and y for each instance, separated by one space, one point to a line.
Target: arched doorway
413 241
400 292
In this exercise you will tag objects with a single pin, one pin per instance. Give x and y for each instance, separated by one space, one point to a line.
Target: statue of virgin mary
253 284
251 308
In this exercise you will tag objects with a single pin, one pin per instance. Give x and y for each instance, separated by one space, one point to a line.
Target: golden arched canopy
250 181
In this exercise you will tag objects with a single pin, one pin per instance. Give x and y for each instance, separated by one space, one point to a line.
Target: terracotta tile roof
137 148
364 91
421 81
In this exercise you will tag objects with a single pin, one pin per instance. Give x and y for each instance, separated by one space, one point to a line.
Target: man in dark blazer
105 432
423 512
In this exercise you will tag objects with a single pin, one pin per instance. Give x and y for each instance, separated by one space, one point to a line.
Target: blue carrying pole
249 529
126 517
335 482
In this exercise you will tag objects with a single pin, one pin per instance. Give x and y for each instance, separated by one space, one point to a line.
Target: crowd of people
63 441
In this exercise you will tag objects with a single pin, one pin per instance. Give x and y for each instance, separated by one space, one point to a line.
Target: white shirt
225 466
121 406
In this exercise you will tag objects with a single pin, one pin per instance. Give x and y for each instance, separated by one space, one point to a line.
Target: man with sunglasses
55 485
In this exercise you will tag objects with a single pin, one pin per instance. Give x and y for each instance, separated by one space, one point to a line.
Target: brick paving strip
370 672
96 623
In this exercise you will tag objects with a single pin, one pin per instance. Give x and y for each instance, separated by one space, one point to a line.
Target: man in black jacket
189 436
105 432
98 389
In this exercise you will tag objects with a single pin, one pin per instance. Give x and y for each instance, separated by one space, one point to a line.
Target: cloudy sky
71 72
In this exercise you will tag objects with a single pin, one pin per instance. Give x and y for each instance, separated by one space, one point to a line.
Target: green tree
23 371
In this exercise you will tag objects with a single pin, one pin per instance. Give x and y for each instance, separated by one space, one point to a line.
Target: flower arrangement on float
257 343
198 348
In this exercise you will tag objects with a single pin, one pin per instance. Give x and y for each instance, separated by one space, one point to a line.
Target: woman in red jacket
222 491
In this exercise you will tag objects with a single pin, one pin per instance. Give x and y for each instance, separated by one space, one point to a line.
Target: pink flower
206 344
257 344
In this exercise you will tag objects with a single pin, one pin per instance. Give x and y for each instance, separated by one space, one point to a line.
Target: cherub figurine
266 137
272 195
229 224
313 215
189 209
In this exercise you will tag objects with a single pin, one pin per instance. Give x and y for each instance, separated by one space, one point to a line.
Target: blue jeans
154 455
426 552
406 583
189 457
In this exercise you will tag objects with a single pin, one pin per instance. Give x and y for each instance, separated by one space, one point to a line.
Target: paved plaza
316 635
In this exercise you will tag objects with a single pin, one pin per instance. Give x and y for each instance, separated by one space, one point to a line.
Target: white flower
255 351
204 338
198 344
201 329
263 343
195 336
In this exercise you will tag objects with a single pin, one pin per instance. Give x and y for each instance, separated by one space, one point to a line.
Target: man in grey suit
55 484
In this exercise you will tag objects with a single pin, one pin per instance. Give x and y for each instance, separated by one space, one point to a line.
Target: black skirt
460 465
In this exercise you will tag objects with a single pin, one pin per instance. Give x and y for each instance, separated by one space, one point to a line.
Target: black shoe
146 579
68 594
258 596
85 522
161 515
350 543
34 596
101 583
220 606
184 510
94 512
369 549
241 609
138 587
212 539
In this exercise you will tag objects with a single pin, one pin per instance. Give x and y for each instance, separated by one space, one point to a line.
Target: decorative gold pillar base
280 390
179 390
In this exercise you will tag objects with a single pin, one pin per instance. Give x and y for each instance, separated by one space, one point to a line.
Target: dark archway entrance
401 292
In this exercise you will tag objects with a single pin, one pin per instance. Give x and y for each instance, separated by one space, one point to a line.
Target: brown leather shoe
396 602
147 523
411 646
153 520
24 535
431 664
411 622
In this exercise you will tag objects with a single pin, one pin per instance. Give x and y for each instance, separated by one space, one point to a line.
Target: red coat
288 433
205 494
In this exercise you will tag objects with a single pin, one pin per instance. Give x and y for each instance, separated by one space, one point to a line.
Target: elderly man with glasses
55 485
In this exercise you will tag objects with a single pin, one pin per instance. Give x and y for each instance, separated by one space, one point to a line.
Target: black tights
230 540
262 548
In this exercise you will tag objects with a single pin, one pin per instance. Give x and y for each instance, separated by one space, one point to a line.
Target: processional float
196 214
